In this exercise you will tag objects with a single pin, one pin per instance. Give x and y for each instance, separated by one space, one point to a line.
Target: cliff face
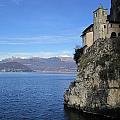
97 85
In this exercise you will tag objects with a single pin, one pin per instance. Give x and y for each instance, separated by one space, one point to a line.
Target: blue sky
44 28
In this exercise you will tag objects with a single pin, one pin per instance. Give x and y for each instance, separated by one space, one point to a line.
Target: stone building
115 11
104 25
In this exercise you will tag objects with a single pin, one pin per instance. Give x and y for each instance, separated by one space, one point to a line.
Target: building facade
104 25
115 11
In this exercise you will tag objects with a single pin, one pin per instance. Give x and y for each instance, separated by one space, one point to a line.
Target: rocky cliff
97 85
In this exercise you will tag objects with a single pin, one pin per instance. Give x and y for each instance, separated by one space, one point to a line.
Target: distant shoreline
51 72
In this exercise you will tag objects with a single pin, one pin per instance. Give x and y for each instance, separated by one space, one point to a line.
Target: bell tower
99 20
115 11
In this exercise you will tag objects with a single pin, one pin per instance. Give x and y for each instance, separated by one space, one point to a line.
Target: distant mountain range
36 64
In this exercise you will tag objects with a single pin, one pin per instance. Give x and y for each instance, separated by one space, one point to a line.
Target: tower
99 20
115 11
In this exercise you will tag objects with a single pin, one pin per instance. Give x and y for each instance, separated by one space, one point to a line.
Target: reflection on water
75 115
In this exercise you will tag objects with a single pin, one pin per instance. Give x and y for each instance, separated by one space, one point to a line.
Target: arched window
113 35
118 34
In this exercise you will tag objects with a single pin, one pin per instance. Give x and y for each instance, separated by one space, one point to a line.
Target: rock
97 85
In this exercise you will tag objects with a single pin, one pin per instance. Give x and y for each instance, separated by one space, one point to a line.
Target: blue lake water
35 96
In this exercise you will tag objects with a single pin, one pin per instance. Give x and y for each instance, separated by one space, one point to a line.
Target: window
95 14
111 25
103 13
113 35
104 26
118 34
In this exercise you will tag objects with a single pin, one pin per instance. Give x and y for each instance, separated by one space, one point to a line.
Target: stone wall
113 27
99 21
115 11
97 85
88 38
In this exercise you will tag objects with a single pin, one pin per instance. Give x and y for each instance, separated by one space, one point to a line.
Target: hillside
14 67
54 64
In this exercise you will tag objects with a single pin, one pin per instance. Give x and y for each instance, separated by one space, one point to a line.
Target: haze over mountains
36 64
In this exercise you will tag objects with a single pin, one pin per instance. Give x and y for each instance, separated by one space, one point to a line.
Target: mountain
14 67
54 64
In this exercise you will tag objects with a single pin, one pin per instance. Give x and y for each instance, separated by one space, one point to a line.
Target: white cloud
65 37
17 1
3 3
39 40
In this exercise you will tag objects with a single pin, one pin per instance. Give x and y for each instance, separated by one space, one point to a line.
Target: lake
35 96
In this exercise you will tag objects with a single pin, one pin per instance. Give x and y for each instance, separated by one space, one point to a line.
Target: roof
88 28
100 7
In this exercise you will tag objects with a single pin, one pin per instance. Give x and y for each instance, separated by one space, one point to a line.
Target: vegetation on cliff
97 86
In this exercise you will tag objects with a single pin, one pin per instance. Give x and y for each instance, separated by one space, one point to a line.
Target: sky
44 28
